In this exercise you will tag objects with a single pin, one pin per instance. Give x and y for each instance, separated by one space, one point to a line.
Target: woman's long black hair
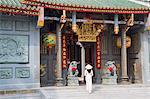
89 70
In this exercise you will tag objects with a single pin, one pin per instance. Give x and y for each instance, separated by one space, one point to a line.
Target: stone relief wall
6 73
22 72
19 49
6 25
14 48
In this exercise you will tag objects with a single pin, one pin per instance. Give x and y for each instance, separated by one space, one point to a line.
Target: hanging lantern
49 40
116 24
147 25
74 20
128 42
40 22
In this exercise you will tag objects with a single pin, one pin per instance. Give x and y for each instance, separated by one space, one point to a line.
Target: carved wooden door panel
47 67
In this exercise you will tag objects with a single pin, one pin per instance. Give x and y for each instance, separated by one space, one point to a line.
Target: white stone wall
145 57
19 75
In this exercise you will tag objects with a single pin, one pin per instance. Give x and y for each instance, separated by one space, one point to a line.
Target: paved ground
79 92
99 92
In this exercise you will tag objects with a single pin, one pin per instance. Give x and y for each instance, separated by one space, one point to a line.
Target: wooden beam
94 21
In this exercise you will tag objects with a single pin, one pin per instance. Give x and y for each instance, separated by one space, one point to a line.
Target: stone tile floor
79 92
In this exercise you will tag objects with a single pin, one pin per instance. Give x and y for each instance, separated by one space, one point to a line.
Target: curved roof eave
102 6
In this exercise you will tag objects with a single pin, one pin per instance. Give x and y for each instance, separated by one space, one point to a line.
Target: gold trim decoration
88 31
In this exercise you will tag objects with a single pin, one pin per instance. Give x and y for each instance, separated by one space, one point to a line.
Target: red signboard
98 52
64 52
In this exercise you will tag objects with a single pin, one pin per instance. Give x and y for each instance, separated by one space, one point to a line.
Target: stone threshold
11 92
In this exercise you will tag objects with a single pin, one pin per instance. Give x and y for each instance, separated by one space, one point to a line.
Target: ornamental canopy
15 7
102 6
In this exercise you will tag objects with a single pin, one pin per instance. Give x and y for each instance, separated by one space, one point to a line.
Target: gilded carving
88 31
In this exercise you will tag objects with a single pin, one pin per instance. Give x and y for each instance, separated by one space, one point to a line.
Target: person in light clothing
88 77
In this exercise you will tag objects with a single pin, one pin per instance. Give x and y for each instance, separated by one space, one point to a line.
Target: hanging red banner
98 52
64 52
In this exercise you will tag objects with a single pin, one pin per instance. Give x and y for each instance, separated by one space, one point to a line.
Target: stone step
79 92
22 94
99 92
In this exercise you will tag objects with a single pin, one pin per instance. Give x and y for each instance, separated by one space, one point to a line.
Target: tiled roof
91 5
15 7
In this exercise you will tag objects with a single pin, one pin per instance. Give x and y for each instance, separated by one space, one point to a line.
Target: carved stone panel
22 72
22 26
6 73
14 48
6 25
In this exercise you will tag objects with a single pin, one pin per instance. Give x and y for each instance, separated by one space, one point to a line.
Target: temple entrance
74 54
89 53
90 56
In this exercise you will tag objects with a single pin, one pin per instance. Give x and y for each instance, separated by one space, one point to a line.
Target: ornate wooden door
89 53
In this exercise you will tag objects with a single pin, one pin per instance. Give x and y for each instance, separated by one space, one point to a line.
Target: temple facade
40 38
